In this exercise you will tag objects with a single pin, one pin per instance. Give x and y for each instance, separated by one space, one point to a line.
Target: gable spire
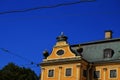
62 37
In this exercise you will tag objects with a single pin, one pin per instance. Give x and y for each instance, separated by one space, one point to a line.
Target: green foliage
14 72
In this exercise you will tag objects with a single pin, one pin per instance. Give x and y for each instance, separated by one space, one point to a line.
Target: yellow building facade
97 60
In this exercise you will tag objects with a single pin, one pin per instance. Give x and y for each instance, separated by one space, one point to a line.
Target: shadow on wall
94 74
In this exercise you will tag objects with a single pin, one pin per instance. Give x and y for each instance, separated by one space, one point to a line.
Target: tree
14 72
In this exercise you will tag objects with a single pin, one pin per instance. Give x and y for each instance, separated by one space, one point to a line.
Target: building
99 60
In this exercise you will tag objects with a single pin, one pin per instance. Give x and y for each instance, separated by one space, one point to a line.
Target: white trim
104 75
62 54
59 77
65 71
65 51
53 72
77 76
116 73
61 58
42 73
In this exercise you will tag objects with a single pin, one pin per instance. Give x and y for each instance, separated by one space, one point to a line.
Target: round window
60 52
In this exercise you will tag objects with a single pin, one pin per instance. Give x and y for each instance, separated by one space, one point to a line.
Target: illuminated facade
99 60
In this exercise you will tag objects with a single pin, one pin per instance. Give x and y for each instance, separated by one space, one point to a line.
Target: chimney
108 34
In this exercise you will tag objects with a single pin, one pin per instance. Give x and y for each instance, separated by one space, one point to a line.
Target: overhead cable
14 54
43 7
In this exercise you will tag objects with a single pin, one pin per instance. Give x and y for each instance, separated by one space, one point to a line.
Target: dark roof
108 61
97 42
93 51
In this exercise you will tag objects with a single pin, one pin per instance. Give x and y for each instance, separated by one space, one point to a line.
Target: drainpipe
90 66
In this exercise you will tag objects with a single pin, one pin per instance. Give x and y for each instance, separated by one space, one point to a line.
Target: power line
7 51
43 7
23 58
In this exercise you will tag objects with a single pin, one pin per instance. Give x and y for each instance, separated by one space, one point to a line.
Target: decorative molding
79 65
43 68
105 69
60 67
61 61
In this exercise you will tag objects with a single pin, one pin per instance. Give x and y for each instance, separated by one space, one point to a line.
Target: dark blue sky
29 33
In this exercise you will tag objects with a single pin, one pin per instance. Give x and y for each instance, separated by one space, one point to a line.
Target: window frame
94 74
66 72
108 53
52 73
116 73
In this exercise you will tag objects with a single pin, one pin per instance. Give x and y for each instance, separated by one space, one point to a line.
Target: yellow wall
77 67
67 52
60 70
105 71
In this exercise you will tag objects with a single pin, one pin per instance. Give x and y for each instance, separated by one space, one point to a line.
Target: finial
62 37
45 53
62 33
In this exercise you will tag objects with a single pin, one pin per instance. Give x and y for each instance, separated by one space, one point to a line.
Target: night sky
27 34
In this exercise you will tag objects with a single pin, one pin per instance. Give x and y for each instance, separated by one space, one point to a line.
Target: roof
93 51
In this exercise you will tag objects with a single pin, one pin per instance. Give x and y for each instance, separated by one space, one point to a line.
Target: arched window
108 53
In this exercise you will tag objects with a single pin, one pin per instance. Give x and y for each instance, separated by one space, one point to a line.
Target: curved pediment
61 50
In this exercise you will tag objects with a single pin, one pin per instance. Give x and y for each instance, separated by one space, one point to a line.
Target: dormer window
108 53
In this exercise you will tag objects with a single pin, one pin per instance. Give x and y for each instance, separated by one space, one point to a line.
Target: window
68 71
108 53
60 52
85 73
51 73
96 74
113 73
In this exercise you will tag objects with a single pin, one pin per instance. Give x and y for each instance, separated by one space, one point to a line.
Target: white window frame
116 73
71 71
53 73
